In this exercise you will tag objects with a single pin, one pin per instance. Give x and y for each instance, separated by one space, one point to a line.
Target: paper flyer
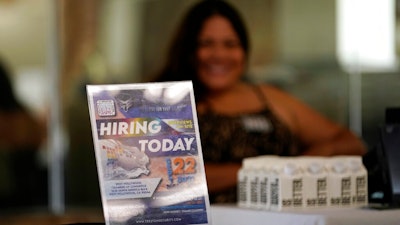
148 153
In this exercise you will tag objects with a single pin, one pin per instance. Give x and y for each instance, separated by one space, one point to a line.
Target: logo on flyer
105 108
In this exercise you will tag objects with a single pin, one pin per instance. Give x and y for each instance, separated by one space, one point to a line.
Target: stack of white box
280 183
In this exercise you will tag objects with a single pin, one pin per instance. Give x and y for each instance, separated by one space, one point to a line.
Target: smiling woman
238 118
221 58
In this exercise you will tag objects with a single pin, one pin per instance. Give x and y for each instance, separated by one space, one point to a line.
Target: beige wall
24 32
276 27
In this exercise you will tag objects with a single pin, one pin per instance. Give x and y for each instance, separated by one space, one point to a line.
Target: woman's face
220 55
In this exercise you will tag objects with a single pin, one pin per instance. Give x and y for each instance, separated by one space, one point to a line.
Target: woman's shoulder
281 103
273 92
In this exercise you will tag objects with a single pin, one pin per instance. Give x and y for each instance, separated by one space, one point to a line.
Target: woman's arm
221 176
343 143
317 134
18 130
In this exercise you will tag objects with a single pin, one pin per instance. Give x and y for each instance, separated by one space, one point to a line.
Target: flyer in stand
148 153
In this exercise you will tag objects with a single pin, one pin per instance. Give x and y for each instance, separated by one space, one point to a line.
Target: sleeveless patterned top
231 138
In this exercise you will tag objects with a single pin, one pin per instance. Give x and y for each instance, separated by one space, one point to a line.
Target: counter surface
233 215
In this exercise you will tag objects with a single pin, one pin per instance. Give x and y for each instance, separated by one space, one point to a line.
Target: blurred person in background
22 181
237 118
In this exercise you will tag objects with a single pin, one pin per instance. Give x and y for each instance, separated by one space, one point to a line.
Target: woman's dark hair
181 58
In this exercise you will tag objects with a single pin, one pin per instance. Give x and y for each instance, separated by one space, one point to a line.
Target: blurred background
339 56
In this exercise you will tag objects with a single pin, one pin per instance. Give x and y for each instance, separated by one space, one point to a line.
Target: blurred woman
239 119
22 180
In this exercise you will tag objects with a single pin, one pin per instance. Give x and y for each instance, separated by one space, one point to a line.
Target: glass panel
293 46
